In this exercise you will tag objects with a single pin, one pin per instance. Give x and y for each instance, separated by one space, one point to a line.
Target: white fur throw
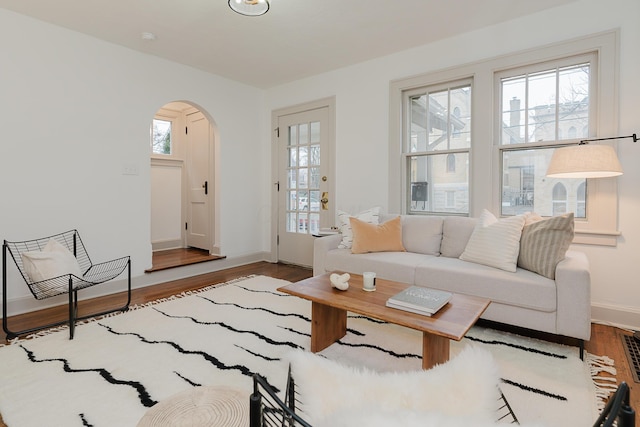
464 387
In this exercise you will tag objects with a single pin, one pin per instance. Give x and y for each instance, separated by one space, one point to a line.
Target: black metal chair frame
618 409
266 409
92 274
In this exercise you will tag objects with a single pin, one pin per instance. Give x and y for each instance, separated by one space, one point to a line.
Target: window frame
485 169
407 154
171 116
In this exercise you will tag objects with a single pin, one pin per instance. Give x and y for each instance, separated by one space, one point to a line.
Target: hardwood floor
605 340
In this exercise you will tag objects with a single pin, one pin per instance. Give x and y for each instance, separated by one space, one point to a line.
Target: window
581 206
524 106
161 137
559 199
539 104
436 141
451 163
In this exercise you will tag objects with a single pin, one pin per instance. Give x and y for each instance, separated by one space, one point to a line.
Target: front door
305 199
198 226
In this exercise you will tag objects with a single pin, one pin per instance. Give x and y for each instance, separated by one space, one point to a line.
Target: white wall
362 98
74 110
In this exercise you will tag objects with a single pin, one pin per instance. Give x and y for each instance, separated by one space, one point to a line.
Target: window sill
598 238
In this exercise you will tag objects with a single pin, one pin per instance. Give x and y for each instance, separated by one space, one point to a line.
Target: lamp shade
584 161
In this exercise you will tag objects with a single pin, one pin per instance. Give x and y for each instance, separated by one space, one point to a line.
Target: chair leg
5 325
72 309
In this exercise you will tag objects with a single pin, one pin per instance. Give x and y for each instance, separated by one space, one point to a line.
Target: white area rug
118 367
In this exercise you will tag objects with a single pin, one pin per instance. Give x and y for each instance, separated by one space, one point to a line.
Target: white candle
369 281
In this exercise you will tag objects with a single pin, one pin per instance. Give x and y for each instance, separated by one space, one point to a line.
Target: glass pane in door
303 178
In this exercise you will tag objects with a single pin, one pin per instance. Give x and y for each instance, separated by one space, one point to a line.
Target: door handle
206 187
325 201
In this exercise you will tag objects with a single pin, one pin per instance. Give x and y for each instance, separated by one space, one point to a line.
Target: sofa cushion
344 224
494 242
422 234
544 244
456 231
522 288
385 237
397 266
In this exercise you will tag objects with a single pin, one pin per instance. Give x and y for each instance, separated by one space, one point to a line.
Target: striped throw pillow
494 242
544 244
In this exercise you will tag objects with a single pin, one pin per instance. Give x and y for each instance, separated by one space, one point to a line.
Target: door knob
324 201
206 187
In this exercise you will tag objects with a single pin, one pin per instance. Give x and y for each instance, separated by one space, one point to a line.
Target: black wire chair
92 274
618 410
266 409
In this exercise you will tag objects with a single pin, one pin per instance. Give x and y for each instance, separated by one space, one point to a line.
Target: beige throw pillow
544 244
386 237
494 242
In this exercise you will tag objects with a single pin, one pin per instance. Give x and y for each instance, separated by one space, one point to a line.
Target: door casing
329 103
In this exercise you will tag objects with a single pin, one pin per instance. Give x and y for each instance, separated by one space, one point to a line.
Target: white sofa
433 245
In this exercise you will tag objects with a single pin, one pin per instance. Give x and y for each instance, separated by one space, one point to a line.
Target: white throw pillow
53 261
372 216
494 242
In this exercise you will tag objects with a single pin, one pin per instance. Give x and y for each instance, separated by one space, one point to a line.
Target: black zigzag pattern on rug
274 313
206 356
232 329
516 346
143 395
534 390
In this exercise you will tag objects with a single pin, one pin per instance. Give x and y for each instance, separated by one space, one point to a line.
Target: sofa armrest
573 288
321 246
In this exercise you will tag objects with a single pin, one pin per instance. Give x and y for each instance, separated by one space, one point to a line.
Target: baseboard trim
616 315
26 303
163 245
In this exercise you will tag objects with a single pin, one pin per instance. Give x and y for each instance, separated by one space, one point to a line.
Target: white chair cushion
53 261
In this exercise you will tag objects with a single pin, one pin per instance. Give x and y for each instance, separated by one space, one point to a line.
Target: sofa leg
581 344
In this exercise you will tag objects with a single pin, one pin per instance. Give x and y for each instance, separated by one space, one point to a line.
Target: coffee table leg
435 350
328 325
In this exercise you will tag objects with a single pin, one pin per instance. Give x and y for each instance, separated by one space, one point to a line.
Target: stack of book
417 299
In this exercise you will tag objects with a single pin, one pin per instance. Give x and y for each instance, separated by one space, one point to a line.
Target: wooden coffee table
329 308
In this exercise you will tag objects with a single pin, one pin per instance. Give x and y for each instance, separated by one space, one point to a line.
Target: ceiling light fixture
249 7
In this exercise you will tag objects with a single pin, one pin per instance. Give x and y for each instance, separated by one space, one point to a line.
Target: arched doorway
184 180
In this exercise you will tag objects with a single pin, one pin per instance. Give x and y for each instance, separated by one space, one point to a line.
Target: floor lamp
583 160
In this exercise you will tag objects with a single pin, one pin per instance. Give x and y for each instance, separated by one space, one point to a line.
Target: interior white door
304 199
198 227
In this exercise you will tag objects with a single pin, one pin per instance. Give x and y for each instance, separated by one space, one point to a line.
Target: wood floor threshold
173 258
